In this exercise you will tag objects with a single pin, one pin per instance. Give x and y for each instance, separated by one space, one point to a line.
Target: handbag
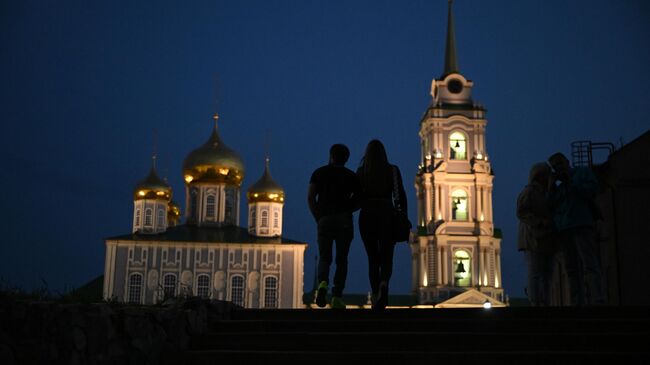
401 226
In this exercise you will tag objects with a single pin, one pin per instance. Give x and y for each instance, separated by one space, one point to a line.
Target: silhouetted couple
558 220
335 192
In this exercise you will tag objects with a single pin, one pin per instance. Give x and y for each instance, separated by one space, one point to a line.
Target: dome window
161 218
148 217
209 206
265 218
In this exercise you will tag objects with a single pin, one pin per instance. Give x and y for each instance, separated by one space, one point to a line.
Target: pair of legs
374 225
333 229
540 273
582 266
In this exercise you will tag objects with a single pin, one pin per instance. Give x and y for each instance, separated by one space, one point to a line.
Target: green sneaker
321 294
337 303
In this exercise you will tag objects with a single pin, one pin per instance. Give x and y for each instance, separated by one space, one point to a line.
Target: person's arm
312 192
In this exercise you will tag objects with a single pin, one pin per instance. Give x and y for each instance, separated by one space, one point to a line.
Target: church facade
456 247
209 256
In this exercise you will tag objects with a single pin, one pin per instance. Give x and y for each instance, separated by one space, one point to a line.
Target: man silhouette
333 197
573 214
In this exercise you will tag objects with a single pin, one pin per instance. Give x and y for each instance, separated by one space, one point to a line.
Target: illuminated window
161 217
462 268
457 146
203 286
135 288
209 206
276 219
270 292
148 217
459 205
237 290
169 285
265 218
137 217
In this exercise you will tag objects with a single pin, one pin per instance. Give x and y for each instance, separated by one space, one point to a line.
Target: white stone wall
219 262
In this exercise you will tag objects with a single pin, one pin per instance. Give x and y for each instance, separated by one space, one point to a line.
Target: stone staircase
467 336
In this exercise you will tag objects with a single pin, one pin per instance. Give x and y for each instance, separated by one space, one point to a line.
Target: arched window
237 290
135 288
137 217
253 221
457 146
203 286
265 218
462 268
209 206
193 203
169 285
161 217
270 292
148 217
459 205
276 219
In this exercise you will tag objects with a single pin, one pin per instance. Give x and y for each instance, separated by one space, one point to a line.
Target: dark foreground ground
209 332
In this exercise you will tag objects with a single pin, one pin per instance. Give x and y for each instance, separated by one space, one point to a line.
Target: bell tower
456 247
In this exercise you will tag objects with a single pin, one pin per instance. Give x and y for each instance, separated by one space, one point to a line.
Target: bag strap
396 203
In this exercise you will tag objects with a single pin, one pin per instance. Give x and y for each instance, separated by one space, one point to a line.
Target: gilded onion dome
152 187
173 211
266 189
213 162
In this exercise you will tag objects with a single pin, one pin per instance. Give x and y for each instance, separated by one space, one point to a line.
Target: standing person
573 212
375 220
536 234
333 197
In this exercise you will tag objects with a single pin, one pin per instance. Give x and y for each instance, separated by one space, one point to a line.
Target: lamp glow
188 178
487 304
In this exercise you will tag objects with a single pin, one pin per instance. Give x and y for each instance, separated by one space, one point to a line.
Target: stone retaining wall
102 333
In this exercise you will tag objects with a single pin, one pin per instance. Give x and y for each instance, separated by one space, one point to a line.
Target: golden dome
173 214
266 189
152 187
213 162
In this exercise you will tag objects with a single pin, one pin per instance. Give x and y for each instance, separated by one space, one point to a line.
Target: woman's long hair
375 171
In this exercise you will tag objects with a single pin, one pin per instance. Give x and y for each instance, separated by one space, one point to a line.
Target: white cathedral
456 249
210 255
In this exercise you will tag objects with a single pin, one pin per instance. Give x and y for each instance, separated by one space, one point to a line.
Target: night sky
84 85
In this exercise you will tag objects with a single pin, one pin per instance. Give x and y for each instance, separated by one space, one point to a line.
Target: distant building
456 248
210 255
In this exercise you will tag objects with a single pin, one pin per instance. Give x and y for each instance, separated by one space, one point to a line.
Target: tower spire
451 61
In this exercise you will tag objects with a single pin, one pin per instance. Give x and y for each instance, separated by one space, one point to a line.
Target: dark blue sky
84 84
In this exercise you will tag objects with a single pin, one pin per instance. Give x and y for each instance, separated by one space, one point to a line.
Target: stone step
215 357
531 335
596 313
449 325
431 341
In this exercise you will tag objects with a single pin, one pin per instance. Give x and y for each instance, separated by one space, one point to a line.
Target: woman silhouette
377 175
